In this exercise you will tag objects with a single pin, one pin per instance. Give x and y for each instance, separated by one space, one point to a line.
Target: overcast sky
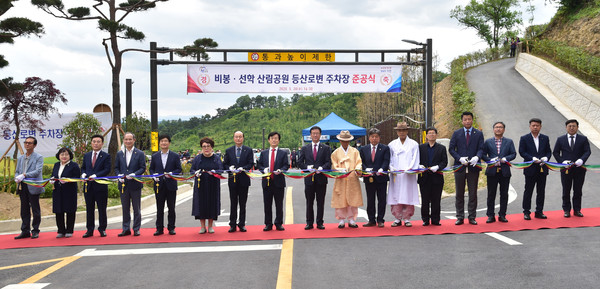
71 55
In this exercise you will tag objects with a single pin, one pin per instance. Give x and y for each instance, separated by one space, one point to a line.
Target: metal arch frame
425 50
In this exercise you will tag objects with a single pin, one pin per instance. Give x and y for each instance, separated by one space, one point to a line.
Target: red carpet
296 231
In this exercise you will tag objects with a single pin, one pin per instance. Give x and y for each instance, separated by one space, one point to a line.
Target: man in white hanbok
403 192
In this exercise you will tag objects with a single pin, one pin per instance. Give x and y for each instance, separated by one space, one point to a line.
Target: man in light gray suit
29 166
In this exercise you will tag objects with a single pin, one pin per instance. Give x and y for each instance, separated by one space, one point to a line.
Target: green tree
140 126
77 134
488 18
14 27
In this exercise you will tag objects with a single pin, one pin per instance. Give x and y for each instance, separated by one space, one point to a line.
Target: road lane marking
26 286
31 264
504 239
284 277
177 250
66 261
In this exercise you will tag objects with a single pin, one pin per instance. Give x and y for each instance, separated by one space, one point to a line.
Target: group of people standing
400 190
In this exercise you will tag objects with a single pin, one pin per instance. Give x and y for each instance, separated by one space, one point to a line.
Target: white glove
566 162
232 168
240 169
535 160
168 175
474 160
379 171
434 168
494 160
369 169
319 169
93 176
213 171
463 160
83 176
130 176
309 167
62 182
277 172
120 178
198 173
266 170
503 160
579 162
421 167
544 159
155 179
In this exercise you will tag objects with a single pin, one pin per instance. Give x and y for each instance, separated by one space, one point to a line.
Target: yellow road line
66 261
284 278
31 264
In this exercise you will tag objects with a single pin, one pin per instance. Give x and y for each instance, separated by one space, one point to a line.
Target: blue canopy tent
331 126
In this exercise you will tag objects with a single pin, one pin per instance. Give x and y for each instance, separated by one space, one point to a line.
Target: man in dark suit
375 159
535 147
29 166
431 182
572 149
238 158
130 162
497 152
96 164
317 156
274 161
165 162
466 147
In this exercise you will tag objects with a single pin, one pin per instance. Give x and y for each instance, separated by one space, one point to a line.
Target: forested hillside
251 115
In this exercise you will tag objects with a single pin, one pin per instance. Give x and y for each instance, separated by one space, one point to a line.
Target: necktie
373 154
468 137
272 166
94 159
238 152
572 141
315 152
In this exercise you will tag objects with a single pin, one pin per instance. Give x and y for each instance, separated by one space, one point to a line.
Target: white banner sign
50 137
293 78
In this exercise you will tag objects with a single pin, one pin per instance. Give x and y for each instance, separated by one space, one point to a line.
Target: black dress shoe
341 225
502 219
158 232
35 235
232 229
540 216
136 233
380 224
88 234
279 227
172 232
526 216
425 223
567 215
578 214
242 229
102 233
369 224
321 227
308 227
489 220
351 225
268 228
124 233
472 222
436 223
22 236
459 222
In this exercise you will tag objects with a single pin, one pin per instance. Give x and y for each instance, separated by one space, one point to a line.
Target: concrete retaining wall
572 92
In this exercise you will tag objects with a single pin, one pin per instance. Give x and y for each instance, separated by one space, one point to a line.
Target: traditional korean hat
345 136
401 126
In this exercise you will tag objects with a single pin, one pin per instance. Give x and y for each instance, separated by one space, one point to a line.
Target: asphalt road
542 258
